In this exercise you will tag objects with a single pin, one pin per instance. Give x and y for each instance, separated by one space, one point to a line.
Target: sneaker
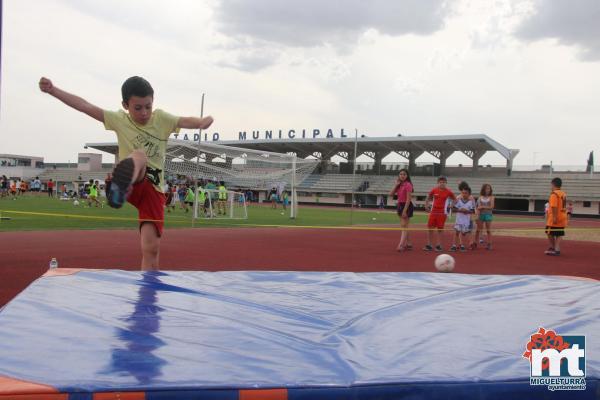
122 177
427 247
463 248
481 241
549 251
553 253
453 248
438 248
409 247
489 246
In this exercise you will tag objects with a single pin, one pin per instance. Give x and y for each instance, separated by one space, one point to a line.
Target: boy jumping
142 136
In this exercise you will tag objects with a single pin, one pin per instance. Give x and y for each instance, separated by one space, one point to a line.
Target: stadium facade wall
21 172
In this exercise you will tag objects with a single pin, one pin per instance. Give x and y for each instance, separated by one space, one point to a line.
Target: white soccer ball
374 219
75 203
444 263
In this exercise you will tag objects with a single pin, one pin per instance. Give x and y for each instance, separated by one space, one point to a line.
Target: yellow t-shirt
558 200
151 138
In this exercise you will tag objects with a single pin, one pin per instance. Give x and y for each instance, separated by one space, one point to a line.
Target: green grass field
33 213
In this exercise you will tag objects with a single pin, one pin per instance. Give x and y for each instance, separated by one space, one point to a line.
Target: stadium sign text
271 134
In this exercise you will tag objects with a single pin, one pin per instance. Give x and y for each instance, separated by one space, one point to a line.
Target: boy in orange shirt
556 221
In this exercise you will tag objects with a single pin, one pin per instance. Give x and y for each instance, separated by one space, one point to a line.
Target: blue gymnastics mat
108 334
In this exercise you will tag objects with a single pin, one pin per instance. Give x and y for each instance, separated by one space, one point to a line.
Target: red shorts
150 204
437 219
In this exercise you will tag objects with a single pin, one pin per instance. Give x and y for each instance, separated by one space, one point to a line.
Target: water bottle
53 263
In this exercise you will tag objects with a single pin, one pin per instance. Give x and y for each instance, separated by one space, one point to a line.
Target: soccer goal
214 204
243 173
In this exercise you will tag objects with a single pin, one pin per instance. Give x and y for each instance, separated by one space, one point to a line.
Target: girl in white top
485 207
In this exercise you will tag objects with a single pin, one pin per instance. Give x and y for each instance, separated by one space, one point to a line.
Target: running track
24 256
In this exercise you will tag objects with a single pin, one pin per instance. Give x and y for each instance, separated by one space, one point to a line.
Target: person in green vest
222 199
93 193
189 198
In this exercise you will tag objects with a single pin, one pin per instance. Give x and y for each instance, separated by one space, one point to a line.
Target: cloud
333 23
572 22
249 60
179 25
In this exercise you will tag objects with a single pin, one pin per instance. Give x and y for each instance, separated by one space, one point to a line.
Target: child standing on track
464 206
439 195
485 207
557 217
403 190
142 135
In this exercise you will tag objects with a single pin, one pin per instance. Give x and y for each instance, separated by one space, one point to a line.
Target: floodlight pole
198 161
353 175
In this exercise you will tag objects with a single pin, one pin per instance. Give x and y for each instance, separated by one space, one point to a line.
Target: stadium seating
534 186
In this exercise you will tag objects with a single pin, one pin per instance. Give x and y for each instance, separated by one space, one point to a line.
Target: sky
524 72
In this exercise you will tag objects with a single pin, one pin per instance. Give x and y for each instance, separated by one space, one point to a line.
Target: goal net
212 204
253 174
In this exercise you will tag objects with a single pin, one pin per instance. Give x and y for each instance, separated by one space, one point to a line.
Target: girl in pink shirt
404 189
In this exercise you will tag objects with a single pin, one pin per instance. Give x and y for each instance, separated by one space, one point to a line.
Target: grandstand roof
439 146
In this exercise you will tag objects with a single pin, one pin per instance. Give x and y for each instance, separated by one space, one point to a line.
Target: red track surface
24 256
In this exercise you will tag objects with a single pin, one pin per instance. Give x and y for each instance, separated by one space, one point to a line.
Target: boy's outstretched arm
194 122
71 100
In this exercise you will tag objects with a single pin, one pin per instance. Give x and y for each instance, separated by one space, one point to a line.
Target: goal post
241 171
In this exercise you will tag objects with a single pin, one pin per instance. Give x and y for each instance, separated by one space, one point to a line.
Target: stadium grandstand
336 181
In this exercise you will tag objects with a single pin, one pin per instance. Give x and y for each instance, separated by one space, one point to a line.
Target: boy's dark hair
136 86
463 186
557 182
482 192
442 178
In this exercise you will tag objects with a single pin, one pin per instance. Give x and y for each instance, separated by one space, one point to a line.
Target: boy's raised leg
127 172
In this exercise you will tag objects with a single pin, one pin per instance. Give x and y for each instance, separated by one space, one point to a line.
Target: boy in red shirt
437 213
